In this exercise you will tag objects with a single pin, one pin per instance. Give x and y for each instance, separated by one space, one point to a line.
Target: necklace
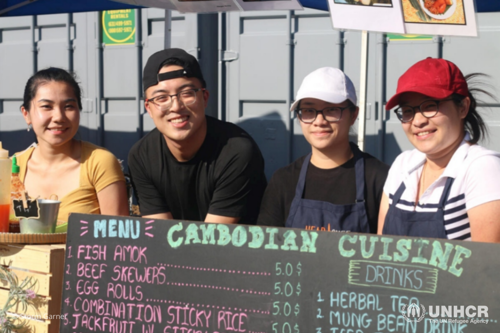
421 184
428 175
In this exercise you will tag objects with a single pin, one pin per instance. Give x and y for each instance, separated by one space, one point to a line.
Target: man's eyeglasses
330 114
164 102
428 109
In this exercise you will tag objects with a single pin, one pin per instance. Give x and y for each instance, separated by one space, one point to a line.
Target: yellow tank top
98 169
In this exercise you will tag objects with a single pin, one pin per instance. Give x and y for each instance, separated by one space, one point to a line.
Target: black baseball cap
156 61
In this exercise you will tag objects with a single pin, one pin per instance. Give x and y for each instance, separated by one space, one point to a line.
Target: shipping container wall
113 114
276 50
253 63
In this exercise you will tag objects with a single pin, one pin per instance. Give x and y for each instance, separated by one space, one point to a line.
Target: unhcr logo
447 314
413 312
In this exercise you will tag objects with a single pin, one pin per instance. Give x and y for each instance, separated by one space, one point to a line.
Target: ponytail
473 122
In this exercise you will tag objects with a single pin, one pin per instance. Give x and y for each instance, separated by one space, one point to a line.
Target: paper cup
49 209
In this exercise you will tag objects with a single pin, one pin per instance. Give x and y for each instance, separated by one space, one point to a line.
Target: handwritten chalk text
253 236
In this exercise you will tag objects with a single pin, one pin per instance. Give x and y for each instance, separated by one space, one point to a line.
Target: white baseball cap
327 84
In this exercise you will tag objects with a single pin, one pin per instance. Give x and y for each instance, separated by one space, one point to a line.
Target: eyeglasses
331 115
428 109
164 102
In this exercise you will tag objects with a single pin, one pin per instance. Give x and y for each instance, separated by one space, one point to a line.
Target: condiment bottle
16 188
5 175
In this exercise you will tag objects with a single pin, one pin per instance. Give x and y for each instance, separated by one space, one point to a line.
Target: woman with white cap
336 186
449 186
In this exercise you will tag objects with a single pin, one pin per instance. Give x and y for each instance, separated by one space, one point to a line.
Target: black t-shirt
225 177
337 186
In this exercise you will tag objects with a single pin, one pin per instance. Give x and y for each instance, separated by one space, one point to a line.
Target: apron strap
398 194
359 169
446 192
299 190
444 196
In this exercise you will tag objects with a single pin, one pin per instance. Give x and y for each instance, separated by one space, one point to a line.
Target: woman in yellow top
86 178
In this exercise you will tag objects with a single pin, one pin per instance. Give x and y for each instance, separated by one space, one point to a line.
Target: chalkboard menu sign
127 274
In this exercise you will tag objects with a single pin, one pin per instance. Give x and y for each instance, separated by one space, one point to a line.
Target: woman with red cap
448 187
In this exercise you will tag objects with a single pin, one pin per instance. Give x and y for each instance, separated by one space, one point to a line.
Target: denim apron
416 224
314 214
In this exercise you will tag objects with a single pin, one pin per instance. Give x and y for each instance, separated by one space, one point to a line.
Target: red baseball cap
436 78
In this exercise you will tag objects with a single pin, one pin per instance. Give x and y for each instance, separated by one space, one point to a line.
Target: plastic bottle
5 175
17 190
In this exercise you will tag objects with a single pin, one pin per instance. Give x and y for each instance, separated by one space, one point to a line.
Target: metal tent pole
362 90
167 43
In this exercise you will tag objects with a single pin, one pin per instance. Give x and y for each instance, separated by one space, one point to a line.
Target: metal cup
49 209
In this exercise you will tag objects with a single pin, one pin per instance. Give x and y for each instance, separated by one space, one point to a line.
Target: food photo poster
440 17
370 15
416 17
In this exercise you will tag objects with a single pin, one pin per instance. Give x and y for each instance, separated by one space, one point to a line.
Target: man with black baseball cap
192 166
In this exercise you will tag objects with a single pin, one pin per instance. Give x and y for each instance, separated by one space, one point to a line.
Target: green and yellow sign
397 37
118 27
